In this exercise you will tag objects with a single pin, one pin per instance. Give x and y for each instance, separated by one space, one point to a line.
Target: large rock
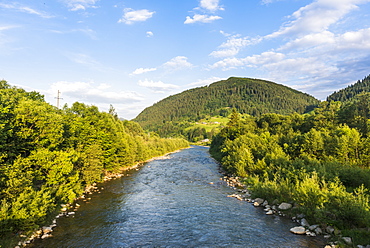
285 206
298 230
258 202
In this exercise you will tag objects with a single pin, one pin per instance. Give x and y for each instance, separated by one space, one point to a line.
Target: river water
172 202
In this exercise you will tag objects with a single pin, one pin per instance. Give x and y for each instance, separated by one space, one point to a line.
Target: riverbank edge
69 209
333 235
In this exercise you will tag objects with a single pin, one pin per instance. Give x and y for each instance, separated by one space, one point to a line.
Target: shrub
309 193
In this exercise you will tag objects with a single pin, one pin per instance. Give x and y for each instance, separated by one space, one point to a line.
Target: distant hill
250 96
349 92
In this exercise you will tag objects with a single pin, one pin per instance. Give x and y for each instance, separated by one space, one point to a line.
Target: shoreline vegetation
50 156
318 162
331 234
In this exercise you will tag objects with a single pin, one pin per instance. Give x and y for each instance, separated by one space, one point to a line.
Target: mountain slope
251 96
349 92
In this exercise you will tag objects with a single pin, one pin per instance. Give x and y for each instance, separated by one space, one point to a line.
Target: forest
346 94
170 116
320 161
50 155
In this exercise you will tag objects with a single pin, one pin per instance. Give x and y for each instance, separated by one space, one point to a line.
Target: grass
210 123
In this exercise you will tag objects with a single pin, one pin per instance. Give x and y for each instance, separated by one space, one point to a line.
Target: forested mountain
49 155
251 96
351 91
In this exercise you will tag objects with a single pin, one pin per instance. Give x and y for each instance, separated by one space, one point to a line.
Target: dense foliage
319 161
48 156
252 96
351 91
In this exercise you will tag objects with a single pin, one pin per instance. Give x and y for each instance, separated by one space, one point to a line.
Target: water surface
172 203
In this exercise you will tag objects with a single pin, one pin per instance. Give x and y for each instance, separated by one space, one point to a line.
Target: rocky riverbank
285 209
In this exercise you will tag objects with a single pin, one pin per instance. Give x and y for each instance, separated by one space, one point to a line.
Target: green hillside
349 92
249 96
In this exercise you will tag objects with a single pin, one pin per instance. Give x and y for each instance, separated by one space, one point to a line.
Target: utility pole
58 98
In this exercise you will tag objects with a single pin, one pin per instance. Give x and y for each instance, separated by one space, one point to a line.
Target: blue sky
133 53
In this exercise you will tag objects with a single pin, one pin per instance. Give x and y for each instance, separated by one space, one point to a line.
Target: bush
310 193
272 189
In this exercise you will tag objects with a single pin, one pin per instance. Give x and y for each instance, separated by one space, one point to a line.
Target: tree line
320 161
346 94
48 155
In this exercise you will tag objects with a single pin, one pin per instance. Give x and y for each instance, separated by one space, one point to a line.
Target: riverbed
176 201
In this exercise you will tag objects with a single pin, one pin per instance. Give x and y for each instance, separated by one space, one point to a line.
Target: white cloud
75 5
174 64
228 63
310 40
300 68
103 86
201 18
224 33
233 45
205 6
130 16
264 58
179 62
149 34
89 92
157 87
250 61
25 9
316 17
142 70
204 82
210 5
355 40
328 42
2 28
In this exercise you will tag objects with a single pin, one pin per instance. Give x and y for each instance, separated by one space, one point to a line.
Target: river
177 201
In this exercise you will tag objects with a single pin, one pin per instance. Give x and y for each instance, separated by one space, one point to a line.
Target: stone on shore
285 206
258 202
304 222
313 227
270 212
318 230
347 240
330 229
46 235
47 229
298 230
